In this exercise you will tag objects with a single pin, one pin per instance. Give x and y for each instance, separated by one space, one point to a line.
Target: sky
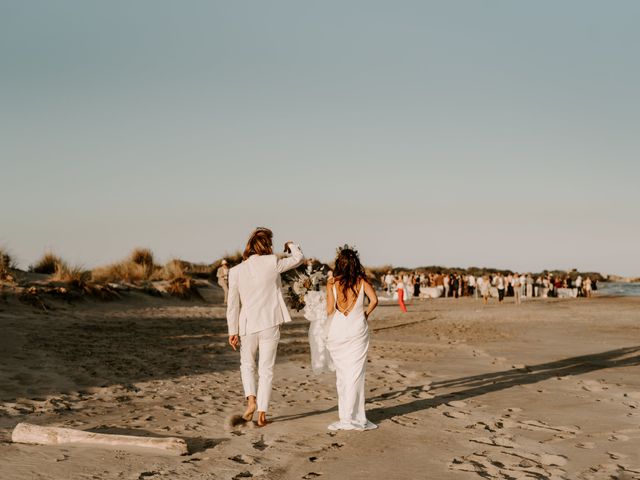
457 133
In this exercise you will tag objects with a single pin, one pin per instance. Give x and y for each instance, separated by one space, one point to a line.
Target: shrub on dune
127 272
75 276
142 256
137 268
6 265
183 287
172 270
47 264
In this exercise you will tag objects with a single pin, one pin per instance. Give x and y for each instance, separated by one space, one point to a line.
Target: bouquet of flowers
300 285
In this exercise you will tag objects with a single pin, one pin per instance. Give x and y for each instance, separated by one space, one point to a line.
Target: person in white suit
255 311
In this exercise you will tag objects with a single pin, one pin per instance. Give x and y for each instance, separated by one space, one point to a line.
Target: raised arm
292 261
370 292
331 301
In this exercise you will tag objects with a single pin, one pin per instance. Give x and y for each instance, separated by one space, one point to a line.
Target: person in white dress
255 311
348 337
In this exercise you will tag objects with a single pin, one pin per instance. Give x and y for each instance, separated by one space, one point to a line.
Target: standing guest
479 282
400 288
416 284
406 280
529 286
594 285
471 285
223 279
545 287
388 280
587 287
499 284
579 285
484 288
516 289
509 282
537 287
446 281
455 285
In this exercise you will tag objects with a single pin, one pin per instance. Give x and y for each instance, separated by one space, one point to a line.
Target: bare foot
251 408
262 419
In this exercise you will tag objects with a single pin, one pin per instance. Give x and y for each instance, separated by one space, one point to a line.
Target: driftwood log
37 435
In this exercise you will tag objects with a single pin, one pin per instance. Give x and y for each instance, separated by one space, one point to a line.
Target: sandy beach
546 390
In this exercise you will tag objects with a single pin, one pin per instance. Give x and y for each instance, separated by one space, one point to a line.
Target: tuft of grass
6 265
137 268
75 276
184 288
48 264
122 272
173 269
142 256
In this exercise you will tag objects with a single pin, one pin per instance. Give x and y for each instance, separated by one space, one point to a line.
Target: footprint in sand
245 474
405 421
586 445
243 459
496 441
616 455
537 425
455 414
512 464
259 444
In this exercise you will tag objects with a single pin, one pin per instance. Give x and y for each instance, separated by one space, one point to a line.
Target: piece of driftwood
37 435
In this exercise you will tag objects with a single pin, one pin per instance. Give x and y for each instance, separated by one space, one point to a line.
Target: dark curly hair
348 269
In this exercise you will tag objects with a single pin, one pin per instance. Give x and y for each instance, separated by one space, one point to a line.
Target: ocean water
619 289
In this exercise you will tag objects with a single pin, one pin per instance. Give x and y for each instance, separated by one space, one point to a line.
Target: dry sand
547 390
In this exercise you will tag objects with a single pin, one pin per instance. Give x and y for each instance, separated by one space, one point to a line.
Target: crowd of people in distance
455 285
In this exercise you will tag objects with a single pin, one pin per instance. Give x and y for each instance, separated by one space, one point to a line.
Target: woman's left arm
373 298
331 301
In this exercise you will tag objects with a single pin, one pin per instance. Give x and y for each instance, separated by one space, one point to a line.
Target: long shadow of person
476 385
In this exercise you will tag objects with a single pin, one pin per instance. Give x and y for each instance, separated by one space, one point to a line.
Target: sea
619 289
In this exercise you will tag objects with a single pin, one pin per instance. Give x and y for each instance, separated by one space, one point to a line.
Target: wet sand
546 390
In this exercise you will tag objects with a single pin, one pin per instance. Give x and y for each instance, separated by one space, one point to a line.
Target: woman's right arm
370 292
331 301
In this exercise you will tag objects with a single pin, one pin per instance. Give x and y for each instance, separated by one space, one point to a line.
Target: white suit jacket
255 299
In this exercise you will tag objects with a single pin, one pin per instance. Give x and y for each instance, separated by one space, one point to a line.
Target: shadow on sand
194 444
78 350
476 385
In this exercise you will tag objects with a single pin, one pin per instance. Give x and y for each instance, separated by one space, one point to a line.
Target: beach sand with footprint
547 390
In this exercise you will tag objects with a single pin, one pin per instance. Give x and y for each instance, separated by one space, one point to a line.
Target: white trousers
262 345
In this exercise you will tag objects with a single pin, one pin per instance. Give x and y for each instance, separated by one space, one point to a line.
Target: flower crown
347 247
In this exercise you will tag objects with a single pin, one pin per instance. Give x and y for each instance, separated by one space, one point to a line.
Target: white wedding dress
347 343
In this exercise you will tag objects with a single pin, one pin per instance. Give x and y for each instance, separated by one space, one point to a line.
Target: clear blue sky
487 133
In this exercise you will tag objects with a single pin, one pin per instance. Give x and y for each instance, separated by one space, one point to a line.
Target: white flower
298 288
